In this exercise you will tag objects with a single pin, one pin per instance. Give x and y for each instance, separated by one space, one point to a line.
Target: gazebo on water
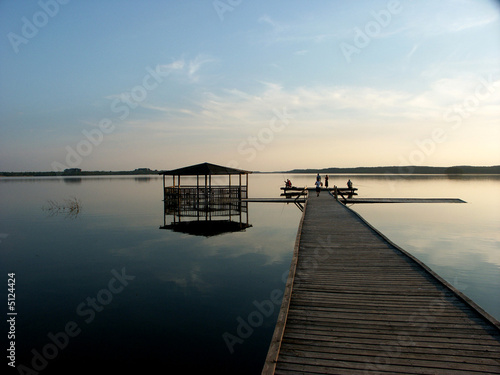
202 192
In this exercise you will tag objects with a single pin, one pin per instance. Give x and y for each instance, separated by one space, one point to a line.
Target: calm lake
107 290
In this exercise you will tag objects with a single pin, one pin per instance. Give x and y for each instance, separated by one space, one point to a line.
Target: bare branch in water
70 207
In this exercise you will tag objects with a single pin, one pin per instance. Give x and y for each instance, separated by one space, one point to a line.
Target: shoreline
389 170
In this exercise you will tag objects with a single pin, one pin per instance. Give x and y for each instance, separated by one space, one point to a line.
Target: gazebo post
246 189
229 195
209 196
206 199
197 197
239 189
179 195
163 187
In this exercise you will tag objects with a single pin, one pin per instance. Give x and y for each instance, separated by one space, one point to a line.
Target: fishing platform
292 191
356 303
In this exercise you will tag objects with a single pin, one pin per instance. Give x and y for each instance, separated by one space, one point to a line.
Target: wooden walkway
274 200
401 200
355 303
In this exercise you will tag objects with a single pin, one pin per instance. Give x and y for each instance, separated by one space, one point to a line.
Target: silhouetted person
318 187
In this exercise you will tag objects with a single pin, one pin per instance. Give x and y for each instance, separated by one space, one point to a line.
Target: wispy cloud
173 66
188 68
276 27
445 19
327 105
472 21
410 54
196 64
300 32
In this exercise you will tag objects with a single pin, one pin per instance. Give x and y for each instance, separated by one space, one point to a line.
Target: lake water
107 290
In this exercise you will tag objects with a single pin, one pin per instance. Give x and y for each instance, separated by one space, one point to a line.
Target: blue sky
259 85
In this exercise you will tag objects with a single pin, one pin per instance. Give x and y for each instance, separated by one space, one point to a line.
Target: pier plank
356 303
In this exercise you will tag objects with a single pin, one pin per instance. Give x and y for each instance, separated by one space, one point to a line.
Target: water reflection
142 179
204 211
72 180
191 289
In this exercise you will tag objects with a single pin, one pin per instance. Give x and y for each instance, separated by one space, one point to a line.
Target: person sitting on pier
288 183
349 184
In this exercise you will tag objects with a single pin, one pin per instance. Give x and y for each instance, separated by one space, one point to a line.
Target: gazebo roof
204 169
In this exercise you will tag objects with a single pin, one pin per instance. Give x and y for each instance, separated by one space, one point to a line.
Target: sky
257 85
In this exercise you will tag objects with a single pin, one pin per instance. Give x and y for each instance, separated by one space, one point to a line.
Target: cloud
325 105
343 117
176 65
471 22
276 27
301 52
195 65
441 18
298 32
188 68
163 70
410 54
231 112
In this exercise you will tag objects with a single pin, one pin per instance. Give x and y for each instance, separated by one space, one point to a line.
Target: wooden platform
355 303
275 200
341 189
402 200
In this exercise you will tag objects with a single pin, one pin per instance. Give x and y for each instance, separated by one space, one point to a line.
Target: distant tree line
456 170
79 172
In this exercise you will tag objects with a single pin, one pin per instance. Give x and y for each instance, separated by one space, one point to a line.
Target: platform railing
217 200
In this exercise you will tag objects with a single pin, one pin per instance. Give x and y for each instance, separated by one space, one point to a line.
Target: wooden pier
402 200
274 200
355 303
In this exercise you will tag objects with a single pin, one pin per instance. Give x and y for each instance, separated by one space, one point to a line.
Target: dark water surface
175 297
126 294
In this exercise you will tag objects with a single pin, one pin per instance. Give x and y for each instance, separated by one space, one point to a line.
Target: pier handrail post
335 192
